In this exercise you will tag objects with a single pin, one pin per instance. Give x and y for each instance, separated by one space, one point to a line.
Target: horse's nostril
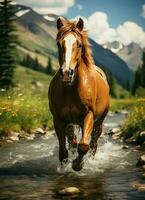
71 72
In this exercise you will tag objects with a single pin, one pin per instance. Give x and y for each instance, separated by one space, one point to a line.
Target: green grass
127 104
135 122
26 106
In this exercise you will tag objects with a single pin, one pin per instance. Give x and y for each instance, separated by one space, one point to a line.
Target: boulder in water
141 161
125 147
69 191
110 113
116 130
141 138
143 175
143 167
139 186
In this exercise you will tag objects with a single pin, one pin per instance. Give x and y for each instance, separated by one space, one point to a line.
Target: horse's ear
59 23
80 24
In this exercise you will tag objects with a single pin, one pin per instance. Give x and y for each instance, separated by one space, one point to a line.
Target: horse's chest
73 112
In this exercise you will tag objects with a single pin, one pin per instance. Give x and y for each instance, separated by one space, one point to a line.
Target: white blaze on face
69 41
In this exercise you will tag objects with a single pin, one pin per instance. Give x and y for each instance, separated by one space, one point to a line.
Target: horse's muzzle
67 75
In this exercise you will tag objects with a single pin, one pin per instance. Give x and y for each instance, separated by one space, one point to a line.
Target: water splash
108 156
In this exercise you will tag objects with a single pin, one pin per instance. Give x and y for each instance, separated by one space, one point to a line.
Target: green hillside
26 78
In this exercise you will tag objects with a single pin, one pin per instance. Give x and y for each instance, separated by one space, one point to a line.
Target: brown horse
78 93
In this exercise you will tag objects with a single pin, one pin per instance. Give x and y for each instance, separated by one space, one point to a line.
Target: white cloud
143 11
101 31
131 32
58 7
79 6
99 27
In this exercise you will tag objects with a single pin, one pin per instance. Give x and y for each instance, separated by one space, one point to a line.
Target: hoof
77 164
83 148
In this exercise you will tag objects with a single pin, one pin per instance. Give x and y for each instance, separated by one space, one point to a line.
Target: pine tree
137 80
28 62
36 64
112 83
127 86
49 69
7 44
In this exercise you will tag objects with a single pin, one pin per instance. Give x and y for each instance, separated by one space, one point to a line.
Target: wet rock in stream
69 191
138 186
141 161
141 138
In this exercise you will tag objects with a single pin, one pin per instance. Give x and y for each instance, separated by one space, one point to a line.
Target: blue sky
106 20
118 11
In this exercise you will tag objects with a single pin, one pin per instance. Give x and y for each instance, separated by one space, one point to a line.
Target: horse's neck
83 69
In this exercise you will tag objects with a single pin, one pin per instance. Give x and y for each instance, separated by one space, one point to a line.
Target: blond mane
69 27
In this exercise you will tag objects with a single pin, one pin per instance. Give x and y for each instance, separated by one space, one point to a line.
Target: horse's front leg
60 132
72 139
83 146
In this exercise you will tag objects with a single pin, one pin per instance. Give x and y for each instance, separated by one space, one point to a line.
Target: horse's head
69 47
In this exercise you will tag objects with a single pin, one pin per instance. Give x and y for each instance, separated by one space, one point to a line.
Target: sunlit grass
127 104
135 123
24 111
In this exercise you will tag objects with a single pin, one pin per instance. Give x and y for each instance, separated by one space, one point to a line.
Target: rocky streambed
29 169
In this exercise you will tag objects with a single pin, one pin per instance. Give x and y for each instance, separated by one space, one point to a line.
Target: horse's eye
80 46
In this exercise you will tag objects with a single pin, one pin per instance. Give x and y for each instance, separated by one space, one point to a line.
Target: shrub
135 122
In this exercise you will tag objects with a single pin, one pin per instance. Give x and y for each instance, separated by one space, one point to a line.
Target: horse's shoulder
100 72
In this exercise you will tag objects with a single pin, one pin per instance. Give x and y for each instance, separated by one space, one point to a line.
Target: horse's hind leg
60 132
97 130
72 139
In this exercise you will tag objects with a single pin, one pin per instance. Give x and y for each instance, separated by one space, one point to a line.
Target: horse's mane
69 27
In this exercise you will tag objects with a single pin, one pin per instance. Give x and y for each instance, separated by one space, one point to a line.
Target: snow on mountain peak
22 12
49 18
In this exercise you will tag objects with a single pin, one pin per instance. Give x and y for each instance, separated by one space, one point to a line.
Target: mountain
131 54
114 46
37 35
107 59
